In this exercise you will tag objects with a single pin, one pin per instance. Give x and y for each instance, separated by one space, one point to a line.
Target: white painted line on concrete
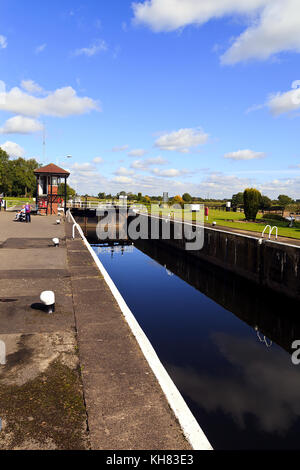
187 421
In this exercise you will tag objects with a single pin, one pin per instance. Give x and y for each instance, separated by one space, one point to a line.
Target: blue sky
191 95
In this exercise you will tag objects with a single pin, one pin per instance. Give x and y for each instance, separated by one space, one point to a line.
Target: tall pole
65 194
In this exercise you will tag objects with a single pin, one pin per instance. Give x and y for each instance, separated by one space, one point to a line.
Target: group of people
25 214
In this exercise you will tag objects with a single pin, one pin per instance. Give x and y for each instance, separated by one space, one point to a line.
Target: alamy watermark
296 354
153 223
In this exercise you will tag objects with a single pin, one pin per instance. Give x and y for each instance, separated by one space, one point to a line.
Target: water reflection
225 343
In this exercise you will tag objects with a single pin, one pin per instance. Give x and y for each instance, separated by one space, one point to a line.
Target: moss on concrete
47 412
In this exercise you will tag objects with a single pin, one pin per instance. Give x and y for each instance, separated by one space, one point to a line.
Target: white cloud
31 86
21 125
12 149
92 50
40 48
122 171
62 102
169 15
244 155
123 180
144 164
280 103
82 166
137 153
120 149
276 30
98 160
182 140
3 42
170 173
273 25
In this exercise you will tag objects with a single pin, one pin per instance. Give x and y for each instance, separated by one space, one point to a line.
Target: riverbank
75 379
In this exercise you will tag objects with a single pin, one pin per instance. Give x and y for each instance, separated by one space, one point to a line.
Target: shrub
274 217
252 198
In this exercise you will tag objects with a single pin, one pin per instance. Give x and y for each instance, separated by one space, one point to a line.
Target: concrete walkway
75 379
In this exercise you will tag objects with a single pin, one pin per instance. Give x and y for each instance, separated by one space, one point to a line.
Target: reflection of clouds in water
268 385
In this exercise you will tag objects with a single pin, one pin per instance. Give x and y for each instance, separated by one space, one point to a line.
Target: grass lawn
236 220
225 219
16 201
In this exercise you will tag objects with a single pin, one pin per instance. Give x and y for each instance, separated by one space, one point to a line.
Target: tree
237 200
252 198
187 197
178 200
71 193
265 203
284 200
101 195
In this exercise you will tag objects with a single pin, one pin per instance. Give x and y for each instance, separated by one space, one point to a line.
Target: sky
198 96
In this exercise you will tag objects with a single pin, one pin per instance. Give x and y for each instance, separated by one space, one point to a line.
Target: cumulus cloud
82 166
98 160
31 86
98 46
145 164
62 102
137 153
3 42
280 103
21 125
273 25
276 30
123 180
170 173
244 155
12 149
182 140
120 149
122 171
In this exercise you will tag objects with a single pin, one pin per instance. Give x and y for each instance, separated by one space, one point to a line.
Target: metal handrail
270 231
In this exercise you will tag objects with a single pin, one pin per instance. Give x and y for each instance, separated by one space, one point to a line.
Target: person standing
28 212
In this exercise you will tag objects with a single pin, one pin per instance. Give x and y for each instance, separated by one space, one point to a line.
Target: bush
252 198
274 217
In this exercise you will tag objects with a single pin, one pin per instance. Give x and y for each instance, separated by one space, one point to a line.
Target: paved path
75 379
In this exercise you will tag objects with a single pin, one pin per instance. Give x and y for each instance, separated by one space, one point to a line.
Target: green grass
225 219
16 201
237 221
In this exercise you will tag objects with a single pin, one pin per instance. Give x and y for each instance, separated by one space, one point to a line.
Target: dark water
225 343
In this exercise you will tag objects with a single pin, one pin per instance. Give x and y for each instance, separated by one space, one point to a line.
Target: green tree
101 195
252 198
71 193
284 200
4 172
265 203
187 197
237 200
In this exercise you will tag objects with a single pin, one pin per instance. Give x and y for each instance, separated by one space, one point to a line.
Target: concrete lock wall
270 264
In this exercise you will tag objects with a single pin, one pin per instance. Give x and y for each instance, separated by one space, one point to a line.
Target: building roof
52 169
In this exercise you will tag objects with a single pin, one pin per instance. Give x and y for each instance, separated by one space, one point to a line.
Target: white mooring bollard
55 242
48 299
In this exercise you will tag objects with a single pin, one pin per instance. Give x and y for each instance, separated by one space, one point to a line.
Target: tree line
16 176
